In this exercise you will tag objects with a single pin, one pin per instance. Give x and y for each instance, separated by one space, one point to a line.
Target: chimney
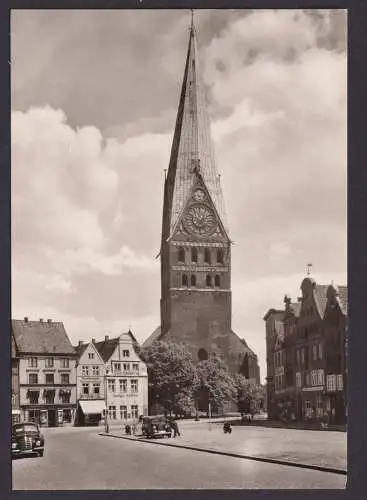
93 341
41 320
80 343
49 320
106 338
26 319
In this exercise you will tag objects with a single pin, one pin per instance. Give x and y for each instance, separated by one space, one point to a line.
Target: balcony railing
124 373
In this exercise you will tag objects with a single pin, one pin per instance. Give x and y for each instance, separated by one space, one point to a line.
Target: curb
274 461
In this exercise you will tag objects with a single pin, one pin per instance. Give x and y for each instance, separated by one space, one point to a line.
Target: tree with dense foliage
170 374
212 383
250 396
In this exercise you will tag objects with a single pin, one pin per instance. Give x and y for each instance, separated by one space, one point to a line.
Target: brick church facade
196 297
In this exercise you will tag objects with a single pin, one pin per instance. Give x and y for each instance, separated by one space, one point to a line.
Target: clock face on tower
200 220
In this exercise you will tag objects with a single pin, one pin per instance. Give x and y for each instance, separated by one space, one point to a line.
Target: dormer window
125 353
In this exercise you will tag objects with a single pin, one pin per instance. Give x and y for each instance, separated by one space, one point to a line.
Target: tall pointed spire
192 150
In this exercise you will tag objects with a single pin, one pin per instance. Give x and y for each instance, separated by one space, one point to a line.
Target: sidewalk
317 450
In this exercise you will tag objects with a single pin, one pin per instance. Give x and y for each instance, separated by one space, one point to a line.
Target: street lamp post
106 427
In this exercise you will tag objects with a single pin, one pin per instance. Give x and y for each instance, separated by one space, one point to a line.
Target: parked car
27 439
156 426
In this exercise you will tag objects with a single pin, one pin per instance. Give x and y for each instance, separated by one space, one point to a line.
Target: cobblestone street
82 459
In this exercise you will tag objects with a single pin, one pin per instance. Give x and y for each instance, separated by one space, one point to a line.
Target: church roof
343 297
152 337
192 149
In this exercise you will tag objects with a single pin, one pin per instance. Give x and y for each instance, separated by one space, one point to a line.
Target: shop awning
92 407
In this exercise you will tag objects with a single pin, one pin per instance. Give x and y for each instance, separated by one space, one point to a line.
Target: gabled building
196 296
47 375
90 383
126 378
306 356
15 408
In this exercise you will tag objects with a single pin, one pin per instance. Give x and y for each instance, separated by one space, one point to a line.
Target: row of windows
49 362
316 352
48 397
134 385
125 354
34 379
208 281
125 367
123 413
95 389
219 256
279 382
334 382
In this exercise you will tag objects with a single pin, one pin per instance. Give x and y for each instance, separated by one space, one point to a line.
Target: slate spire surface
192 149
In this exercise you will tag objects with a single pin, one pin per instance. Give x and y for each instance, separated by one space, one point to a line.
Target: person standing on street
174 427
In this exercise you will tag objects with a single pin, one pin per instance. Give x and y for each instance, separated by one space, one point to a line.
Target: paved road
81 459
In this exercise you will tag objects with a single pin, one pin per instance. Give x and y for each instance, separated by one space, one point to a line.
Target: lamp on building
106 426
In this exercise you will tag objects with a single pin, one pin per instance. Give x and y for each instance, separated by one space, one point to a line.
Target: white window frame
64 362
126 353
134 385
339 382
33 362
314 351
298 380
85 385
134 411
111 385
331 382
321 350
123 385
85 370
95 370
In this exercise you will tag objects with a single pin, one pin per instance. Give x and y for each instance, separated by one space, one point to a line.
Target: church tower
196 247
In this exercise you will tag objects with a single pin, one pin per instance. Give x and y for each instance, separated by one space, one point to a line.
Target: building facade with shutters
196 296
126 379
47 372
306 355
90 383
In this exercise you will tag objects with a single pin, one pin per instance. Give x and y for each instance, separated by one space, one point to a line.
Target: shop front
49 416
90 412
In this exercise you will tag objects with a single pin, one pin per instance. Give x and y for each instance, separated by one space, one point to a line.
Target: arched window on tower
207 256
194 254
217 280
208 280
184 280
193 280
220 256
181 255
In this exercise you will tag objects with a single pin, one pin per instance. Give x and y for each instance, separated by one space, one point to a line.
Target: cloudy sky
94 99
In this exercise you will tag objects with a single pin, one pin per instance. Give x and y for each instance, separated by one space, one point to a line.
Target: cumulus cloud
87 173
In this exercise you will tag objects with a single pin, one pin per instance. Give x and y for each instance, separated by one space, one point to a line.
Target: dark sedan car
27 439
157 426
